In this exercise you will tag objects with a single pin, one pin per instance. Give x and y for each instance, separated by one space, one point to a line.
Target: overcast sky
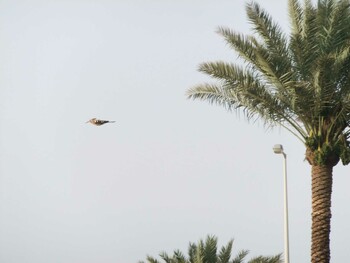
170 170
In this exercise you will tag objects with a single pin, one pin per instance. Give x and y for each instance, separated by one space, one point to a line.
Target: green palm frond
304 44
152 260
241 256
262 259
225 253
179 257
192 248
273 67
166 257
210 248
243 90
274 43
199 257
243 45
295 16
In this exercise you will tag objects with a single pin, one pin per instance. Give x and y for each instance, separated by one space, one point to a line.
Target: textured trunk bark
321 213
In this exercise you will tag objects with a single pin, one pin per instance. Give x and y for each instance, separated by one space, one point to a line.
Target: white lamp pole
278 149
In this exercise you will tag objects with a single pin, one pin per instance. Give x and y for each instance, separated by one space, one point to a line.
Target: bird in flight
98 122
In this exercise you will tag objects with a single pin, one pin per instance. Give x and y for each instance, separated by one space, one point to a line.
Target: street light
278 149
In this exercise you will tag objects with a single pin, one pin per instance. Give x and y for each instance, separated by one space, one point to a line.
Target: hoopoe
98 122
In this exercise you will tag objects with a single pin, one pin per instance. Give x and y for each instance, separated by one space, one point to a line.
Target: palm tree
300 82
206 252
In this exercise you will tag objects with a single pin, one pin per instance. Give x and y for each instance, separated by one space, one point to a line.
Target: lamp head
278 149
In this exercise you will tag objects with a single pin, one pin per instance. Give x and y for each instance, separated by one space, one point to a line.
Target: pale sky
170 170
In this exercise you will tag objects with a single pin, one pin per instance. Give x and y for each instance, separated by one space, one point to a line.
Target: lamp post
278 149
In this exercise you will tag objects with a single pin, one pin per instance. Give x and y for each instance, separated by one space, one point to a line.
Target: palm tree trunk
321 212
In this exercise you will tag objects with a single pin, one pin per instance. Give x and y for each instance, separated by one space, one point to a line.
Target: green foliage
300 81
261 259
206 252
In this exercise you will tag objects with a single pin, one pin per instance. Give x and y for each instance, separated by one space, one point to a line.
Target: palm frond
263 259
242 90
192 248
307 42
212 93
274 66
243 45
210 249
152 260
166 257
199 258
273 38
179 257
339 25
225 253
241 256
295 16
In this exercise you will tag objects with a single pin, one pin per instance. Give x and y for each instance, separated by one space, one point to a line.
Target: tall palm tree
206 252
301 82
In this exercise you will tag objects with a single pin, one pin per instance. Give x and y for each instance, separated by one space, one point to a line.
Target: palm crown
206 252
301 83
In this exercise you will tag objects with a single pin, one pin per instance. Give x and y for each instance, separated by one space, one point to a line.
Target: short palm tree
301 82
206 252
